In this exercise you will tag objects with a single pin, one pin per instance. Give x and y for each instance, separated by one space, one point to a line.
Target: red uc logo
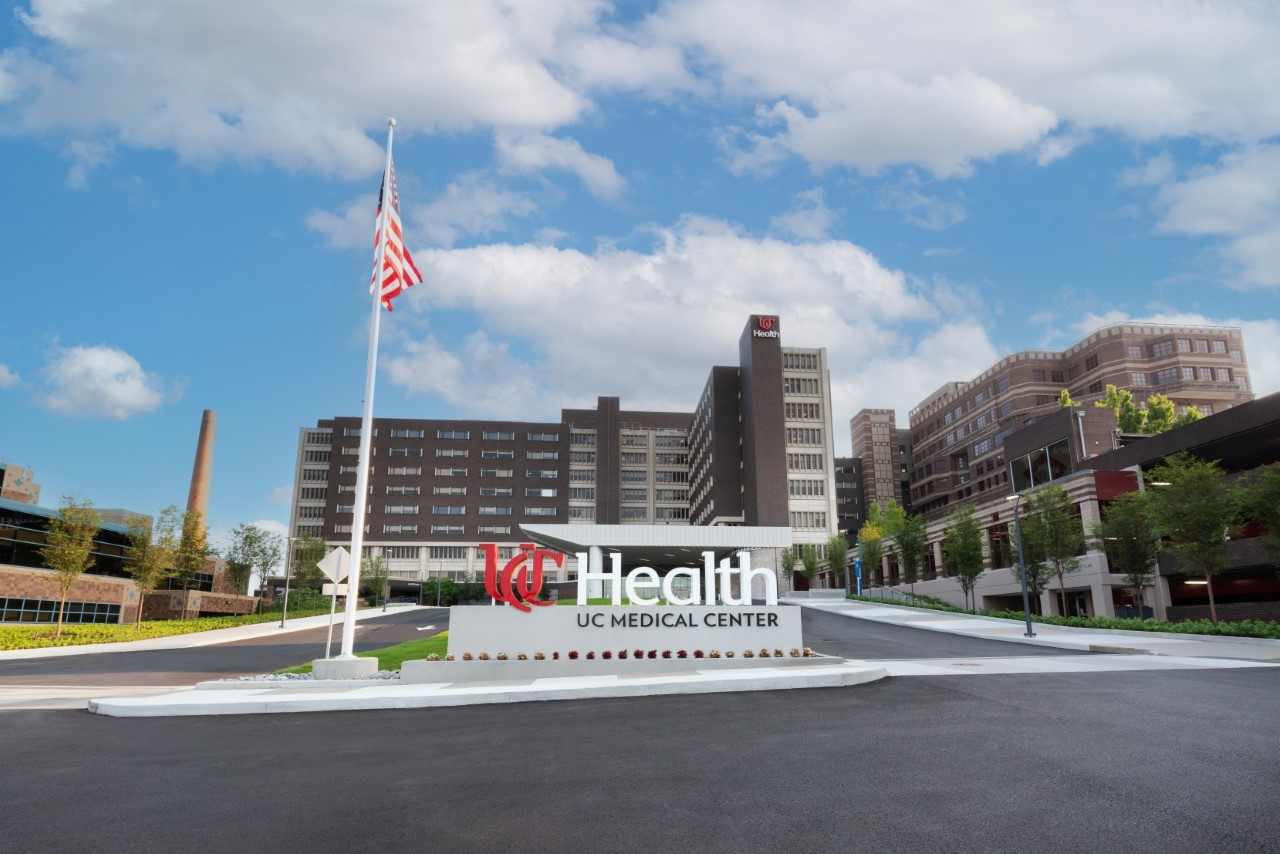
766 323
520 581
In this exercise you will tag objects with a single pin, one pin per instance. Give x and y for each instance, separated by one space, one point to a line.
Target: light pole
1022 562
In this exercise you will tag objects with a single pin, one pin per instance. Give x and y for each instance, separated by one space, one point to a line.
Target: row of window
486 435
804 436
14 610
808 519
806 488
442 530
800 361
802 385
805 462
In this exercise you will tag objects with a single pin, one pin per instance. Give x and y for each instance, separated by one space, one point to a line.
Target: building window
1037 376
401 509
633 494
634 458
454 472
497 436
635 514
492 454
1202 346
1220 347
1091 362
539 511
582 493
1137 379
448 490
803 411
415 471
498 491
577 437
453 434
635 440
584 457
582 514
462 453
313 493
1165 377
671 459
495 530
497 472
670 441
542 455
539 492
543 437
446 510
404 452
1134 351
404 490
447 552
495 511
402 552
400 529
671 514
1184 345
1189 374
661 477
541 474
582 475
1224 375
1160 348
1237 356
314 475
806 488
408 434
1242 383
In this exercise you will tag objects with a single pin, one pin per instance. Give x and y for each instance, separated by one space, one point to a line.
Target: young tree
269 553
68 548
1192 508
1038 572
1055 536
837 554
1130 541
788 559
962 550
910 542
1189 416
871 539
373 576
1065 401
307 552
1159 417
1260 504
193 548
242 554
1129 417
153 548
809 560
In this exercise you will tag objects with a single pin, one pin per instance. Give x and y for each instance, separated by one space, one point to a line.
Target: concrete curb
346 697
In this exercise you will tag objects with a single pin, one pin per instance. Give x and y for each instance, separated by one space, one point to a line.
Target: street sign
334 590
336 564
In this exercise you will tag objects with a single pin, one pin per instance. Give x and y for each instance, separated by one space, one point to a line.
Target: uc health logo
520 580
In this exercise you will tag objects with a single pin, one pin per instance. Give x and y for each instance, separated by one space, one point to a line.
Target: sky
597 195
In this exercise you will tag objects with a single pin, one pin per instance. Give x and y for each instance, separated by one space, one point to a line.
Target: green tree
871 539
1192 508
1190 416
241 555
788 559
269 553
1130 541
809 560
68 548
1130 418
447 594
1260 504
962 550
1054 535
910 541
1065 401
153 548
307 552
1159 416
1034 565
373 576
837 554
193 548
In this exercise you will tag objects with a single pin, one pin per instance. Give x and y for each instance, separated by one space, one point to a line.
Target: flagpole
366 422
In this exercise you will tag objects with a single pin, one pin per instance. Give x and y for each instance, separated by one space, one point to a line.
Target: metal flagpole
366 422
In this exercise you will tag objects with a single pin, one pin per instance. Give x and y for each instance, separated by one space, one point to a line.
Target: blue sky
597 196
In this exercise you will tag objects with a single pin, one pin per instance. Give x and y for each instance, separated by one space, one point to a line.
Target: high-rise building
957 433
756 451
884 449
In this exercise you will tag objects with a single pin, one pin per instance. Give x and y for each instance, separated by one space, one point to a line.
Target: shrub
666 653
484 656
606 655
466 656
795 653
622 653
748 654
639 653
555 656
777 653
729 654
433 657
682 654
715 653
591 656
653 653
573 655
764 653
449 657
808 653
521 657
697 653
502 656
537 656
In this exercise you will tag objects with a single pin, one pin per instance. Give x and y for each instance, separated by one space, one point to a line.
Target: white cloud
527 153
8 379
472 206
1157 170
350 228
1238 202
919 208
808 219
85 156
281 495
563 326
101 382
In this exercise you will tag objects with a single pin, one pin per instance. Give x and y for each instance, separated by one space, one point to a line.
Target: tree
1034 566
1159 414
962 550
1192 508
1130 541
1189 416
809 560
307 552
788 559
193 548
1065 401
910 540
242 554
270 551
373 575
837 554
1055 535
1129 417
1260 504
153 548
68 548
871 542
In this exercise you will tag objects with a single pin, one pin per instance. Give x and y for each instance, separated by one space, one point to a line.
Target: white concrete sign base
584 629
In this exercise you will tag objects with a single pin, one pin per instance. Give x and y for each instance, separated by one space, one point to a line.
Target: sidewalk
1060 637
196 639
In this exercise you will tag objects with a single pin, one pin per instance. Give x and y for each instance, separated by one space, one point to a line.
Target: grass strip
40 635
391 657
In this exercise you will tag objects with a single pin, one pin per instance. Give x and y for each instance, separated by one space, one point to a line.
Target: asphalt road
1171 761
834 634
240 658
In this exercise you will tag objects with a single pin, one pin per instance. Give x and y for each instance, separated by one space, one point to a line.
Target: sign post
334 565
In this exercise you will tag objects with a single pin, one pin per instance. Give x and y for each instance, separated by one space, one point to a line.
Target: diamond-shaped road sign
336 564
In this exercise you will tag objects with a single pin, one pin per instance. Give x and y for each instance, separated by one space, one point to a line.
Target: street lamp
1022 561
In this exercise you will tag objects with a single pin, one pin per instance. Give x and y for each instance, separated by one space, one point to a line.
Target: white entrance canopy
659 546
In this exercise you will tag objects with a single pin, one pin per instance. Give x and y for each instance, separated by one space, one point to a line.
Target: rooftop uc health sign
519 582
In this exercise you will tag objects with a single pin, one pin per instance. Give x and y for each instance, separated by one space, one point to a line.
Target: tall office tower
876 441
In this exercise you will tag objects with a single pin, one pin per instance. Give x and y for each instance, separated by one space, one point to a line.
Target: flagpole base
343 668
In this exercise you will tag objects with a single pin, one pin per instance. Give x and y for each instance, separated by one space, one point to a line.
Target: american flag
398 269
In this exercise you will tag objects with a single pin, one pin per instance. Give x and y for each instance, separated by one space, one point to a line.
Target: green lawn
391 657
41 634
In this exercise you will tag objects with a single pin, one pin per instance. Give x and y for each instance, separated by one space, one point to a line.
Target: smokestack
198 497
